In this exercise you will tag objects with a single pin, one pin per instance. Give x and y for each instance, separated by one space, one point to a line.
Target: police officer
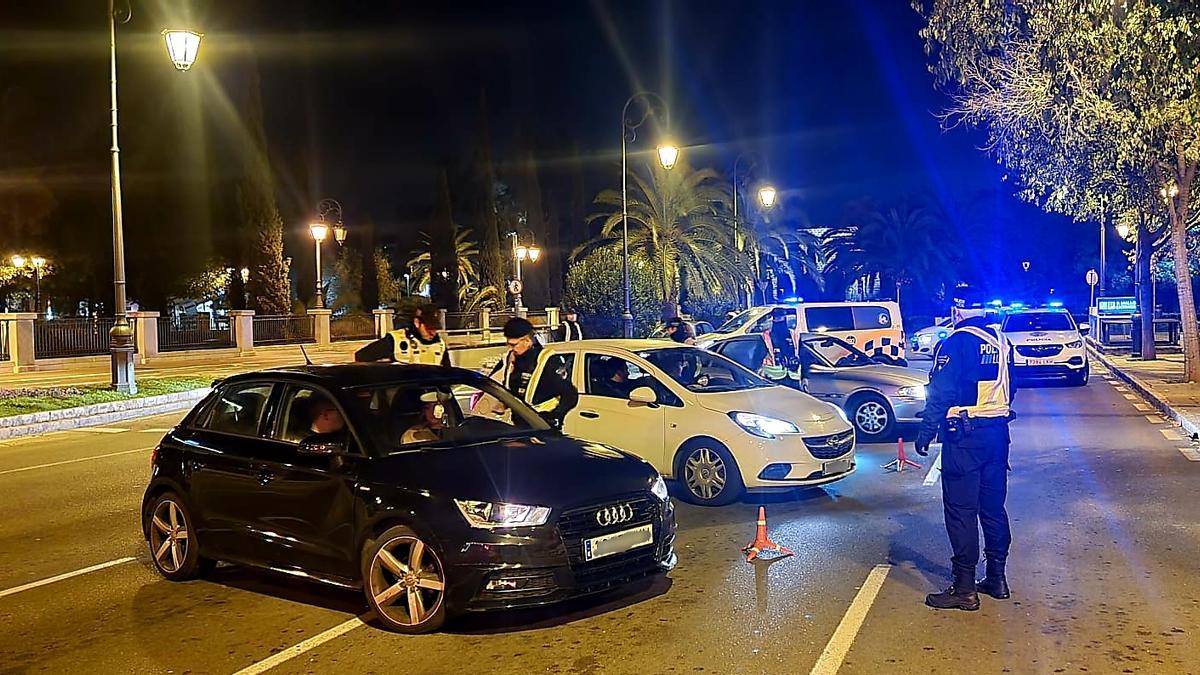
570 329
679 331
968 405
558 396
785 366
422 342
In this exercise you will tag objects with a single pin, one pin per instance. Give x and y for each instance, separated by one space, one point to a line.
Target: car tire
872 417
1081 378
404 601
708 473
171 537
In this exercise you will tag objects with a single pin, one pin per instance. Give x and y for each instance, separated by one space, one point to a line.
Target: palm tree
890 248
675 223
466 253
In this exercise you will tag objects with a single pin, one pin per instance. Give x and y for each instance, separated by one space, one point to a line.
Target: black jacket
568 329
961 362
550 386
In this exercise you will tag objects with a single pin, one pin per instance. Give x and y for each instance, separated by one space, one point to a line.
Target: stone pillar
145 334
551 318
384 319
20 339
442 318
321 318
485 324
243 330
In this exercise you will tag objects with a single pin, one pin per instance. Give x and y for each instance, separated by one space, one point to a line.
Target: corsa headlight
490 515
659 488
1074 344
913 391
763 426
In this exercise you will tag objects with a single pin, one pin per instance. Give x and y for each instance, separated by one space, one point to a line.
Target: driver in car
326 418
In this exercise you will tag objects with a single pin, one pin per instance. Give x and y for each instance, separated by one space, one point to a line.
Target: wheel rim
169 536
406 581
871 417
704 473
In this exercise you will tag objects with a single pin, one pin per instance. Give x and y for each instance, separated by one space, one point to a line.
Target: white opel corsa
716 427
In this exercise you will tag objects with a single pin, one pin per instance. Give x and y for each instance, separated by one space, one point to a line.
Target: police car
1047 343
926 340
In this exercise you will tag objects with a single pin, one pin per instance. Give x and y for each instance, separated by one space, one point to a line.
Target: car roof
627 344
1040 310
358 374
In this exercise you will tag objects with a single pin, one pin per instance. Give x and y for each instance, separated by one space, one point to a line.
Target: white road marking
1142 408
835 652
98 430
1130 397
1153 419
61 577
311 643
1191 454
935 471
1170 434
72 461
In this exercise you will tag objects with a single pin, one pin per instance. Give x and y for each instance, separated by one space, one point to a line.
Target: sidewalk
1161 383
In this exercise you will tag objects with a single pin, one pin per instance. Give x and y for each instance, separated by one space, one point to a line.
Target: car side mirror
321 444
643 395
1085 329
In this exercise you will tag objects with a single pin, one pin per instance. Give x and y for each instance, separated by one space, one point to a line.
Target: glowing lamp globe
182 46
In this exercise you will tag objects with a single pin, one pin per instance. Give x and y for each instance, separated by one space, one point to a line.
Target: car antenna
307 361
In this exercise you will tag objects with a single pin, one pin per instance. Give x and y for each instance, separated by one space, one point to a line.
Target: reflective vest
408 348
993 397
771 369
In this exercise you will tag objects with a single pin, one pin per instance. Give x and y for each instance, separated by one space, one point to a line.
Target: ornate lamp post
668 155
767 196
520 255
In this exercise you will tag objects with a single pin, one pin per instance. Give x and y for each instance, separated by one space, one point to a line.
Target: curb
94 415
1147 392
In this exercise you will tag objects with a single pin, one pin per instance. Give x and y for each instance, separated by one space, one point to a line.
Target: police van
874 327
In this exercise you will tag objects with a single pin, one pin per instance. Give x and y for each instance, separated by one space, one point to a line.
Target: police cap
517 327
967 297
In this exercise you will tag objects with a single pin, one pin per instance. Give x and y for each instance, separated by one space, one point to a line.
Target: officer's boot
994 583
960 595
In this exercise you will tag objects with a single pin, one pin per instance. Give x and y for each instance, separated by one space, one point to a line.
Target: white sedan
716 427
1047 343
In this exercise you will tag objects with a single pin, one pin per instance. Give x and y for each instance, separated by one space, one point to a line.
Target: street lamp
521 253
766 196
182 47
668 155
319 231
37 262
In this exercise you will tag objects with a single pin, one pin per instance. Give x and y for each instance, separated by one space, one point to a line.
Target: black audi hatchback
380 477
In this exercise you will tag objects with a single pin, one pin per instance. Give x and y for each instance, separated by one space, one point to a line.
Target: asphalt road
1103 569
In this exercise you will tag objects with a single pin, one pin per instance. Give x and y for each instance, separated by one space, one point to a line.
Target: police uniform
406 346
968 406
781 363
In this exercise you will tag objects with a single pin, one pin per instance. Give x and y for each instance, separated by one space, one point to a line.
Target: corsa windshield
702 371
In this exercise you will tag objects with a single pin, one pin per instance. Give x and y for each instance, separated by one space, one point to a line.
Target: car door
824 380
606 415
749 351
222 466
304 504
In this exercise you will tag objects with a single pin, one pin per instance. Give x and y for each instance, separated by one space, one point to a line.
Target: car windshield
701 371
737 321
1031 321
399 417
836 353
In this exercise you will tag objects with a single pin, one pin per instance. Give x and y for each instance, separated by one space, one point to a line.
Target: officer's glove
922 445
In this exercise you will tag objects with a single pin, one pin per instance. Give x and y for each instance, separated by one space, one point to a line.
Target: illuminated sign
1119 305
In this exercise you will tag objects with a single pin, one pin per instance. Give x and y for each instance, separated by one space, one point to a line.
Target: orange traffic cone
901 460
761 541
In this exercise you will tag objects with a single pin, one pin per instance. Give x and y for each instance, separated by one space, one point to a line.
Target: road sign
1092 278
515 286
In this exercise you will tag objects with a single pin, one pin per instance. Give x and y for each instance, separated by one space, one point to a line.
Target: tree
262 227
593 288
465 253
391 288
677 225
443 257
345 284
1092 104
491 261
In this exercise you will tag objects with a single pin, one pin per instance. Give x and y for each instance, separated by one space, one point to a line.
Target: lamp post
668 155
38 263
767 195
319 231
182 46
520 254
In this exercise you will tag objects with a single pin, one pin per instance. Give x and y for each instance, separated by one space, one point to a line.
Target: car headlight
1074 344
660 489
490 515
763 426
912 391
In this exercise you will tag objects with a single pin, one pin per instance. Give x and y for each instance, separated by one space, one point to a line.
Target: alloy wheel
871 417
169 536
406 581
704 473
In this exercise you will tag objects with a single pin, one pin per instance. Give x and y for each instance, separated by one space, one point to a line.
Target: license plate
618 542
835 467
1040 362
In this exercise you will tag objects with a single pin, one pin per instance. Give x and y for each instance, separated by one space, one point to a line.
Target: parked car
874 396
373 476
1047 344
926 340
698 329
700 418
874 327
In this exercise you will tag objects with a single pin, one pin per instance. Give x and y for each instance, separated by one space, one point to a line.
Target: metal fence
59 338
280 330
352 327
194 331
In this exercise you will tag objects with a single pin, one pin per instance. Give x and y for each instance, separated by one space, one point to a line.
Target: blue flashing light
1056 303
1017 305
792 300
996 303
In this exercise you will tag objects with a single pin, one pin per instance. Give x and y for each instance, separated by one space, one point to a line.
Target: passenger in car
615 381
325 416
428 427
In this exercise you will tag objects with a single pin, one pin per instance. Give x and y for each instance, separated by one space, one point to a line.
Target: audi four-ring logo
614 515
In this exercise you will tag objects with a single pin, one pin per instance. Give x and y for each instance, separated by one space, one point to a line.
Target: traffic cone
901 460
761 541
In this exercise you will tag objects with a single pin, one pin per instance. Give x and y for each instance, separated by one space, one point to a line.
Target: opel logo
614 515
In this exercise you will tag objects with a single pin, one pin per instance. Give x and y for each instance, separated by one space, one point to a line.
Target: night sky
368 101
